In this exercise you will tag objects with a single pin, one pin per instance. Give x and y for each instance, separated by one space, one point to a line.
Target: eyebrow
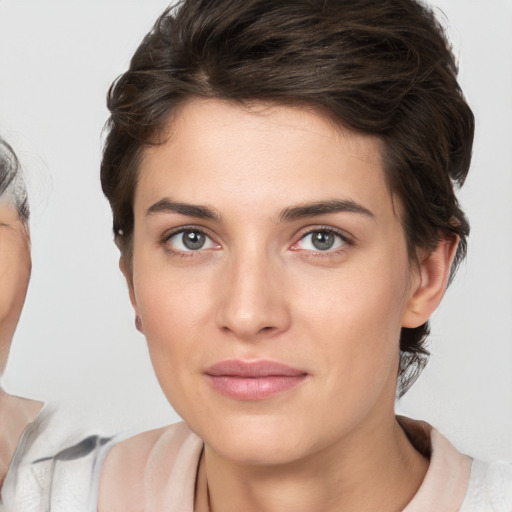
190 210
289 214
321 208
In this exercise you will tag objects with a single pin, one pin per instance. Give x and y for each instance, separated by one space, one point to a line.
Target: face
15 265
271 277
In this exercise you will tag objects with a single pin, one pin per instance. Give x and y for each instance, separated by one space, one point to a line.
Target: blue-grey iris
193 240
322 240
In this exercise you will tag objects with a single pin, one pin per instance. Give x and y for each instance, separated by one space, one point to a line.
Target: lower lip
254 388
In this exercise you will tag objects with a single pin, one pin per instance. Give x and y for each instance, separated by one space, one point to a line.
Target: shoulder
47 474
144 462
16 413
490 487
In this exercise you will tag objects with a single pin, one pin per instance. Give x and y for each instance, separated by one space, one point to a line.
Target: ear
127 272
432 275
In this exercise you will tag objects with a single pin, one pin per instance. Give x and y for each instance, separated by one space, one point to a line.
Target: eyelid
345 237
182 229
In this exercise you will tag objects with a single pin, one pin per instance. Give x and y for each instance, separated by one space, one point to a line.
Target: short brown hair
380 67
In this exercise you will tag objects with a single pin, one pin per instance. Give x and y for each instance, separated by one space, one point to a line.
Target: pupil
322 240
193 240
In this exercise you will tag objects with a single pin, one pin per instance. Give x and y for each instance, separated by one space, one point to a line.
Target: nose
252 297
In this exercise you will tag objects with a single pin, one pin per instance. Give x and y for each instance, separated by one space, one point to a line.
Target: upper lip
254 369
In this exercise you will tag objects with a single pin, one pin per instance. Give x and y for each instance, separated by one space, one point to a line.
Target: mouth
255 380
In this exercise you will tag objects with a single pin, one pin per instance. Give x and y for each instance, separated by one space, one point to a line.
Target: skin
260 290
15 265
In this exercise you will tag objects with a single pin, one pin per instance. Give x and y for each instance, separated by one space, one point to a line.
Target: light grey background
76 343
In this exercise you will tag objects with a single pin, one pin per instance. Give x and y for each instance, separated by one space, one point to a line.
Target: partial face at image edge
15 267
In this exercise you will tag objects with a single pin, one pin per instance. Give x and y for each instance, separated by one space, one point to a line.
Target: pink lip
256 380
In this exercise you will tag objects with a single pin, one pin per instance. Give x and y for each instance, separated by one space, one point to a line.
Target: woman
15 264
281 176
34 474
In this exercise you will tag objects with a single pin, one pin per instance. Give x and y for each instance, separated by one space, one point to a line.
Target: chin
257 439
259 450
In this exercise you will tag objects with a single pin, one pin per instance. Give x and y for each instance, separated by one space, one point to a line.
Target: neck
15 414
377 469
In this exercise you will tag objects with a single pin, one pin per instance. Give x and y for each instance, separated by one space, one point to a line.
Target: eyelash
183 229
346 241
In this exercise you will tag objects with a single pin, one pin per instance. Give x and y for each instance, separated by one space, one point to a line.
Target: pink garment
166 480
445 484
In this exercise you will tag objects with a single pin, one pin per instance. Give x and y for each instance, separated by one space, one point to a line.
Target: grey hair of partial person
12 186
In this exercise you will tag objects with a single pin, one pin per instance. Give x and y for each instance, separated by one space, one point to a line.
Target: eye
321 240
189 240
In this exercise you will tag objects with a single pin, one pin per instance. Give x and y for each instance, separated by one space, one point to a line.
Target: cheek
354 318
14 279
173 308
369 297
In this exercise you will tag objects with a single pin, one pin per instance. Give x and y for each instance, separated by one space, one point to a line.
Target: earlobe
125 269
432 277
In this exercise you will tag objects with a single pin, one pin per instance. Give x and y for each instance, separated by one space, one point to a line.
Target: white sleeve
66 481
490 488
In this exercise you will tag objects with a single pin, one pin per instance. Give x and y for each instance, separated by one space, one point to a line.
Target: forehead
198 117
260 151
